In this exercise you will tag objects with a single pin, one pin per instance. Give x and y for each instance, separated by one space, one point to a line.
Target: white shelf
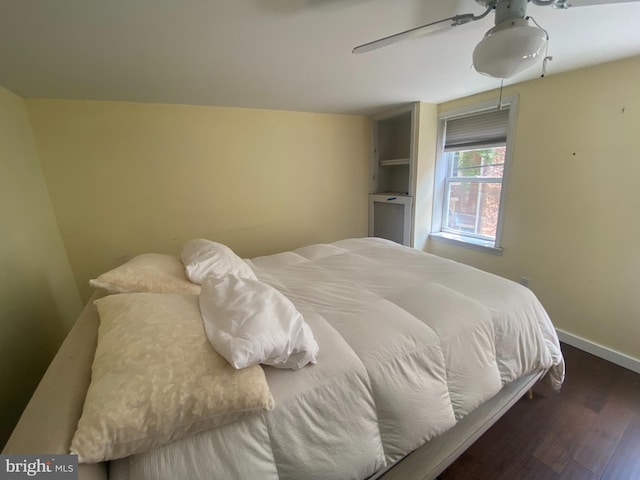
392 171
394 161
391 194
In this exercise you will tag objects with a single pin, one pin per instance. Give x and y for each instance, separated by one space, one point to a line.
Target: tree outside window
473 188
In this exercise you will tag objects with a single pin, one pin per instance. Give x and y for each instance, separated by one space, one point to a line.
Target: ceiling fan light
509 48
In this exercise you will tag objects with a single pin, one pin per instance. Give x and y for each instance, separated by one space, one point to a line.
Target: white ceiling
277 54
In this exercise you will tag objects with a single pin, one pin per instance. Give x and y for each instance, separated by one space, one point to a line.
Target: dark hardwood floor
589 431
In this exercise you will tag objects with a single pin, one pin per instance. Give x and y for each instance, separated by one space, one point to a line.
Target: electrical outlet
524 281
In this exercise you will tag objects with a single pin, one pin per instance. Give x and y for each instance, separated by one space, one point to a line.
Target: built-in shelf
391 184
394 161
393 194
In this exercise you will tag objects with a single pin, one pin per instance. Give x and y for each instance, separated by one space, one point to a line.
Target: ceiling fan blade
418 31
587 3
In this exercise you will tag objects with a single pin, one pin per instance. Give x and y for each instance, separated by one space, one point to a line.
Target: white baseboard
593 348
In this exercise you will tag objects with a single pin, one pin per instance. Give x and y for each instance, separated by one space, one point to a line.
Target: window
471 167
472 191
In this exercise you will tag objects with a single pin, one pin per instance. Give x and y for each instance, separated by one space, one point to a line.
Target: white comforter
409 344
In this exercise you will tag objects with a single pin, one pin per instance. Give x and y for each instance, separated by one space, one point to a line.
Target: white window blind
475 131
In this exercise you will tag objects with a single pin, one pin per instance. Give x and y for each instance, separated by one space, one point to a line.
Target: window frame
441 174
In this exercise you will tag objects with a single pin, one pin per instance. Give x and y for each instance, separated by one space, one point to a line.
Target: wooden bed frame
48 423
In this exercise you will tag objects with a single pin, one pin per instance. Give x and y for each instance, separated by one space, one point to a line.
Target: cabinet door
390 217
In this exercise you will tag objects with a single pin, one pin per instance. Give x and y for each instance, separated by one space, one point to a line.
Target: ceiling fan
508 48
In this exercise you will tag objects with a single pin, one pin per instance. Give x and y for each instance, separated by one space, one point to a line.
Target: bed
419 355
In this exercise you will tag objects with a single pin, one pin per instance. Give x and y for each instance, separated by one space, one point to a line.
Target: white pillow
149 272
249 322
202 258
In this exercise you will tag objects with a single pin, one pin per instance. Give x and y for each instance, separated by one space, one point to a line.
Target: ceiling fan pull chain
546 58
538 25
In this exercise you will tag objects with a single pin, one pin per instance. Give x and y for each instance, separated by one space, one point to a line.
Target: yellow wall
39 299
573 205
129 178
425 172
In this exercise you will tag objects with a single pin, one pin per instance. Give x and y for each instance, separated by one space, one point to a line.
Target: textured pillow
249 322
150 272
155 379
202 258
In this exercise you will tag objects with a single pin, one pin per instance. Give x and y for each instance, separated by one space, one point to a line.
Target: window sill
467 242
